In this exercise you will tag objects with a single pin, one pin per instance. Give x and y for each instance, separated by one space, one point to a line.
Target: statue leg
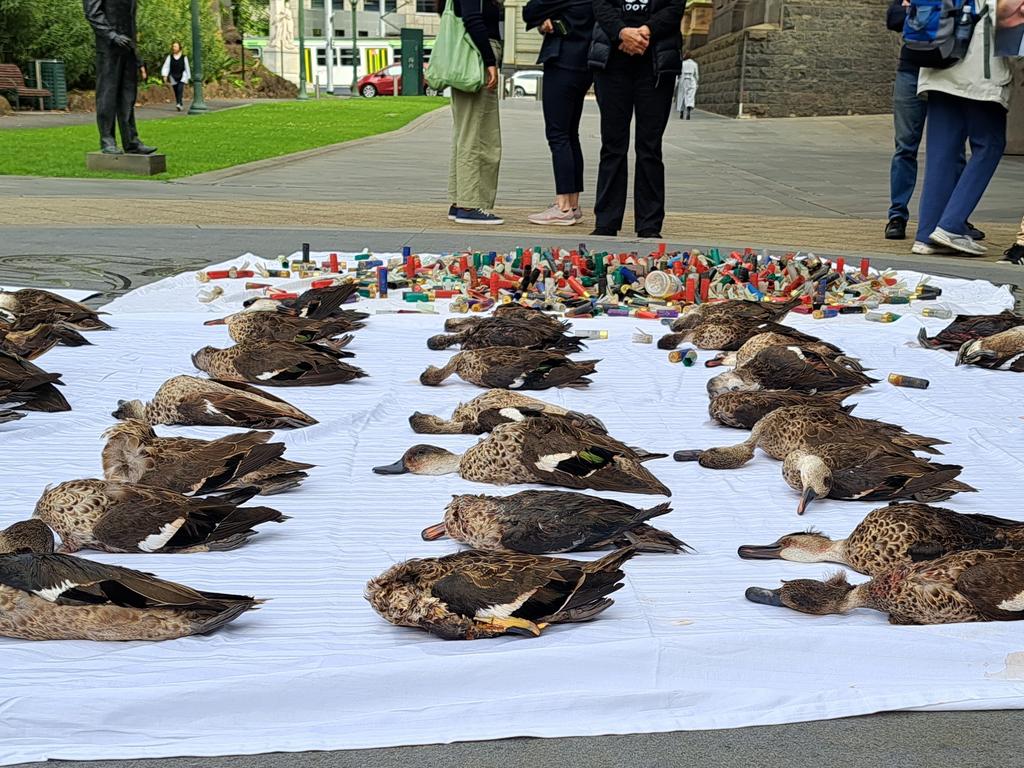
106 94
127 92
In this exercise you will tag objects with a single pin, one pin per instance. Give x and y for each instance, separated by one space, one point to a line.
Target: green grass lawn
200 143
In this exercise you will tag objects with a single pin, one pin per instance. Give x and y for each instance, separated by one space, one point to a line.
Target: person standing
686 88
1015 253
177 73
567 27
635 57
966 102
476 128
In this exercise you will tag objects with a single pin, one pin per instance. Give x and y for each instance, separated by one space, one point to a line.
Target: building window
426 6
426 55
321 57
317 4
363 33
371 5
339 33
345 57
317 32
390 6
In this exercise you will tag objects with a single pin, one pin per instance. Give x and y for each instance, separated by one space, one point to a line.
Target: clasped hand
634 40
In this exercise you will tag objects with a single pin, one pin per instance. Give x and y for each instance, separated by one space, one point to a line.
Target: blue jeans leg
986 131
909 112
947 132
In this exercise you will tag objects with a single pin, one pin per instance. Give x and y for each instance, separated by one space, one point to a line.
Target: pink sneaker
553 216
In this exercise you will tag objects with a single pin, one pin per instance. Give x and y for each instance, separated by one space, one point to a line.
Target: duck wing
243 405
799 369
286 364
995 586
879 476
201 467
966 328
322 303
28 384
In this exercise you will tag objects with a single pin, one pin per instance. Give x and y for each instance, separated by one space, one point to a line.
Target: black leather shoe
603 232
140 149
111 149
651 235
1014 255
896 229
974 232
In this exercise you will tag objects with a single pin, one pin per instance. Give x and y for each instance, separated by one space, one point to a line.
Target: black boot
688 111
140 149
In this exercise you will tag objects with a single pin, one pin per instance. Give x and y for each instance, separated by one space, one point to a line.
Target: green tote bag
455 62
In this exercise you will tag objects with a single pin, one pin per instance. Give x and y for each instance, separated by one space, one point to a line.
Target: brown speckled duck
513 368
966 328
314 303
473 595
761 341
535 316
539 451
744 409
26 536
788 368
803 427
995 351
28 387
874 471
733 308
39 339
33 301
191 401
274 326
551 522
278 364
976 585
134 454
123 517
509 332
496 406
731 333
898 534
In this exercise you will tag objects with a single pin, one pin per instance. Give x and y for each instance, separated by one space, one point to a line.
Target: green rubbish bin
49 74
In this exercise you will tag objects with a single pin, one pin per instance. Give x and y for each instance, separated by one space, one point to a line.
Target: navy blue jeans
564 92
947 199
908 115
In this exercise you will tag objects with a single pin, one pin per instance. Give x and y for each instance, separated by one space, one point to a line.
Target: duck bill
805 498
219 321
716 362
764 596
398 468
760 552
434 532
687 455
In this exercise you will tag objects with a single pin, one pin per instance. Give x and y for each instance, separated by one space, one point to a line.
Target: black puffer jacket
666 37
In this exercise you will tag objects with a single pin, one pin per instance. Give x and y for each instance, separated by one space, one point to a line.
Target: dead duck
47 596
495 406
744 409
509 332
975 585
872 471
513 368
28 387
314 303
134 454
804 342
966 328
191 401
731 333
788 368
40 339
995 351
29 301
539 451
535 316
898 534
802 427
26 536
124 517
474 595
273 326
733 308
278 364
551 522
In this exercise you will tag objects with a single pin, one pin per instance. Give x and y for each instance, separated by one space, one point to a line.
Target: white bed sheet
316 668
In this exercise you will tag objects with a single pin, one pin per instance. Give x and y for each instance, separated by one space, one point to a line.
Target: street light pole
303 95
329 28
355 50
198 105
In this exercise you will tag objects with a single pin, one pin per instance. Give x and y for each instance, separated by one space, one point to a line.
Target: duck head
442 341
722 358
971 352
27 537
815 477
220 321
263 304
130 409
433 376
807 595
730 381
799 547
423 460
201 358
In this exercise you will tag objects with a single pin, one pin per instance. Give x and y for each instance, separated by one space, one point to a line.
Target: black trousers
564 91
179 91
623 88
117 82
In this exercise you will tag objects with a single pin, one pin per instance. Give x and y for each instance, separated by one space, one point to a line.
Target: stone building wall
828 58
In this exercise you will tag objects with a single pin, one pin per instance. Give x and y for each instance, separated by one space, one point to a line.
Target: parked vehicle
523 83
386 82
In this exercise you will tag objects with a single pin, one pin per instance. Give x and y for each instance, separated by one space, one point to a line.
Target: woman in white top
686 87
176 72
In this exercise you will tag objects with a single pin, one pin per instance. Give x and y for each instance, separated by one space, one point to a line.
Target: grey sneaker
963 243
553 216
930 249
577 214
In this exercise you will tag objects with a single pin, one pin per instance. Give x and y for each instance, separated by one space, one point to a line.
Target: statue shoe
111 149
140 149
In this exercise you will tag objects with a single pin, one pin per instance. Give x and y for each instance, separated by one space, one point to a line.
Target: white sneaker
962 243
577 214
553 216
930 249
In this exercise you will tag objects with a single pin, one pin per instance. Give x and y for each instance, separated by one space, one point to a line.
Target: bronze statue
117 74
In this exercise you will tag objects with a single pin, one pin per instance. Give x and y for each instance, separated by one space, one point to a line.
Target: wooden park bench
12 83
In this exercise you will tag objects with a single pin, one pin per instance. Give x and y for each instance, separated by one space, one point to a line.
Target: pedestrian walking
966 102
476 128
686 87
567 27
177 73
635 57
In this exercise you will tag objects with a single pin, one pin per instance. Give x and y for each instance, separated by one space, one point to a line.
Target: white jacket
165 71
967 78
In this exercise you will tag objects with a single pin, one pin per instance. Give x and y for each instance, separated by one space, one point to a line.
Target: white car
523 83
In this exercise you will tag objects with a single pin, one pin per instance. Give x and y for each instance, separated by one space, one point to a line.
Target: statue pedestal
140 165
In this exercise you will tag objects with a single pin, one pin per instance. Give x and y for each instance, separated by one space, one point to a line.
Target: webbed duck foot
513 626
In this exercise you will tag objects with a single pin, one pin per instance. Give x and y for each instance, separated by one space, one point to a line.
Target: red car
387 82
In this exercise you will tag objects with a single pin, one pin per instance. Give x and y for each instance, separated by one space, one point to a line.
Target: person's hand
122 40
492 78
547 27
645 31
633 41
143 74
1009 13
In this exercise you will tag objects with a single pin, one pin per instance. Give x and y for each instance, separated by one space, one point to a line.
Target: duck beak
434 532
760 552
687 455
764 596
220 321
398 468
805 498
716 362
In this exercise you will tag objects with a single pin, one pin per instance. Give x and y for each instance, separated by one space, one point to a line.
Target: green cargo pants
476 147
